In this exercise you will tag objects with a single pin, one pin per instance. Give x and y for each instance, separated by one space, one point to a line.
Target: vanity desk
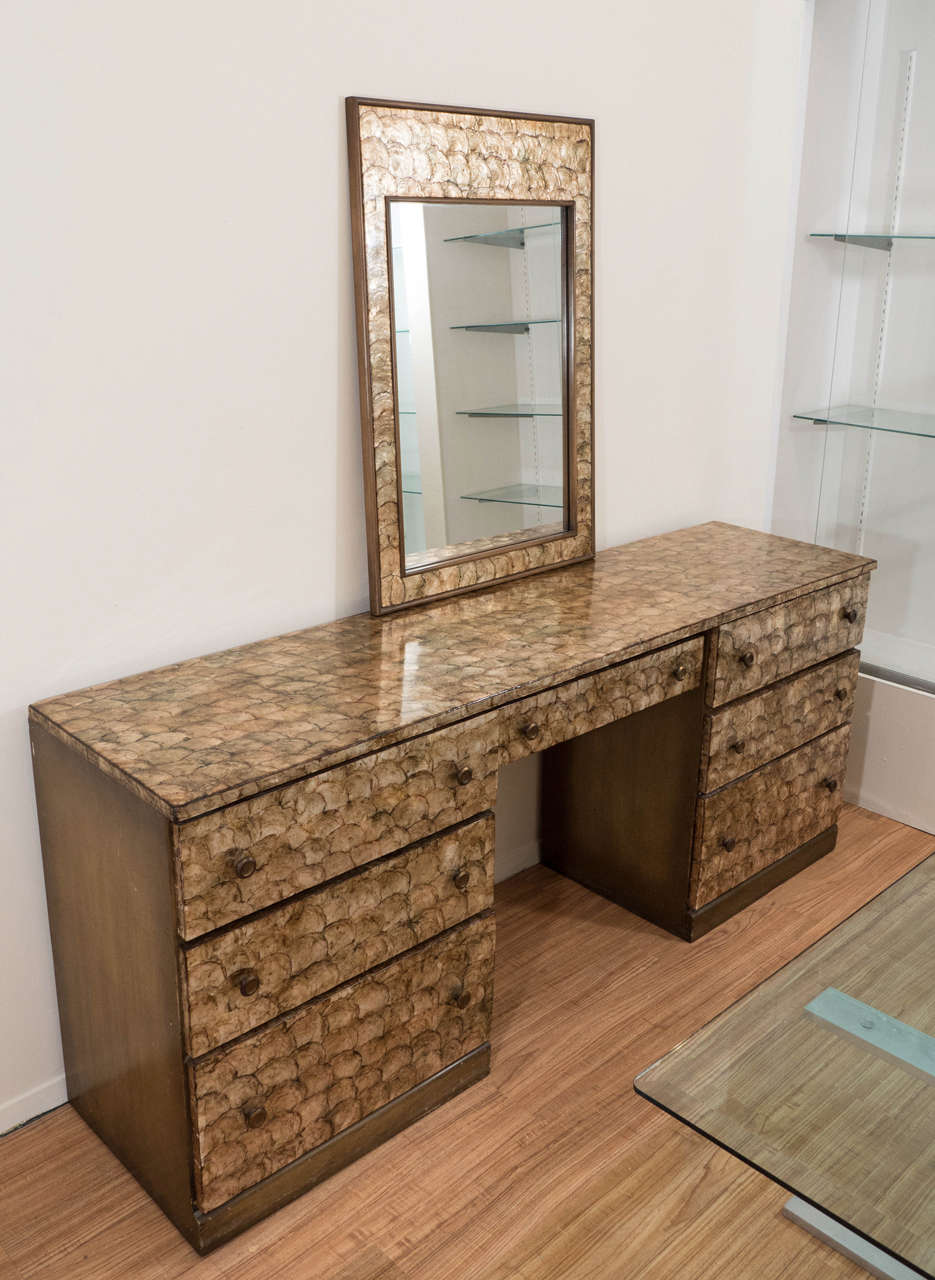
270 870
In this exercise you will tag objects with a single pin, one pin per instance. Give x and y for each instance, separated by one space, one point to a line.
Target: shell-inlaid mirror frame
473 265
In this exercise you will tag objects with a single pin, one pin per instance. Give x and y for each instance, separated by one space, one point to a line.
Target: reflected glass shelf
407 411
869 239
897 421
412 482
522 495
510 238
503 326
514 411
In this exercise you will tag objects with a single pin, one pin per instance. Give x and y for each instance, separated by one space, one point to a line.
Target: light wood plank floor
551 1169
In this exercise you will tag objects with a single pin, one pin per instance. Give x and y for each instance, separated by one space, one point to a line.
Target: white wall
181 465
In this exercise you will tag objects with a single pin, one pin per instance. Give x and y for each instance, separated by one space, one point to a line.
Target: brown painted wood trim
208 1230
706 918
361 306
467 111
107 858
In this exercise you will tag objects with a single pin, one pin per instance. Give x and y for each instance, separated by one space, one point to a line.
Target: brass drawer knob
462 879
739 746
680 672
248 980
841 695
748 658
460 998
254 1115
530 731
830 783
728 843
245 866
849 614
465 774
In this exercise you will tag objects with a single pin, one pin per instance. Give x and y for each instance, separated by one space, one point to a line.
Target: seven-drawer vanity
270 870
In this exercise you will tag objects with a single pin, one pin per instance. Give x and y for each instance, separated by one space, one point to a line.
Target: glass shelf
514 411
867 418
408 411
510 238
503 326
522 495
412 483
870 239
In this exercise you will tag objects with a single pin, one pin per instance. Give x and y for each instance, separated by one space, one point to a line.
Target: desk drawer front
253 972
266 849
758 820
744 735
767 646
291 1086
579 706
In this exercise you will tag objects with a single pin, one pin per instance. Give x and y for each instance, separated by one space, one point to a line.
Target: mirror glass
480 344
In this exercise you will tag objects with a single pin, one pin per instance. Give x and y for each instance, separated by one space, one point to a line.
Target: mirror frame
416 151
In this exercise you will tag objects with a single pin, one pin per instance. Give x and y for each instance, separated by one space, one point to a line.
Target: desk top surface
200 734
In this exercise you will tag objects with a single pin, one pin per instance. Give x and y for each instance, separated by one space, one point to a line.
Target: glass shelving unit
514 411
871 418
867 381
867 239
510 238
503 326
521 495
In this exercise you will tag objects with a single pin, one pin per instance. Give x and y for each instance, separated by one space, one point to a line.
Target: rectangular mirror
479 336
473 275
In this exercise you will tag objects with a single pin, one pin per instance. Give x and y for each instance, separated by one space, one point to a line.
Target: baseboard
510 861
889 769
32 1103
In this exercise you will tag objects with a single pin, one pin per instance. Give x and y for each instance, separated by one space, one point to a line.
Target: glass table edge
782 968
690 1124
780 1182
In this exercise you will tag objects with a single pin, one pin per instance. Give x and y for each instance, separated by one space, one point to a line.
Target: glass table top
823 1077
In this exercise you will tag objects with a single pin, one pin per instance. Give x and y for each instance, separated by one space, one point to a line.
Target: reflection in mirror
480 329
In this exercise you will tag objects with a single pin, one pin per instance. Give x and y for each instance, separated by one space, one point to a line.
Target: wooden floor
551 1169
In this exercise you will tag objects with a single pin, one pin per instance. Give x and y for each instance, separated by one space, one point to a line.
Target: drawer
758 820
568 710
743 735
268 848
766 646
250 973
292 1085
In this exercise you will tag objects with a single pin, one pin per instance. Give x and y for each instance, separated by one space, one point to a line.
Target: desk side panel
107 859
